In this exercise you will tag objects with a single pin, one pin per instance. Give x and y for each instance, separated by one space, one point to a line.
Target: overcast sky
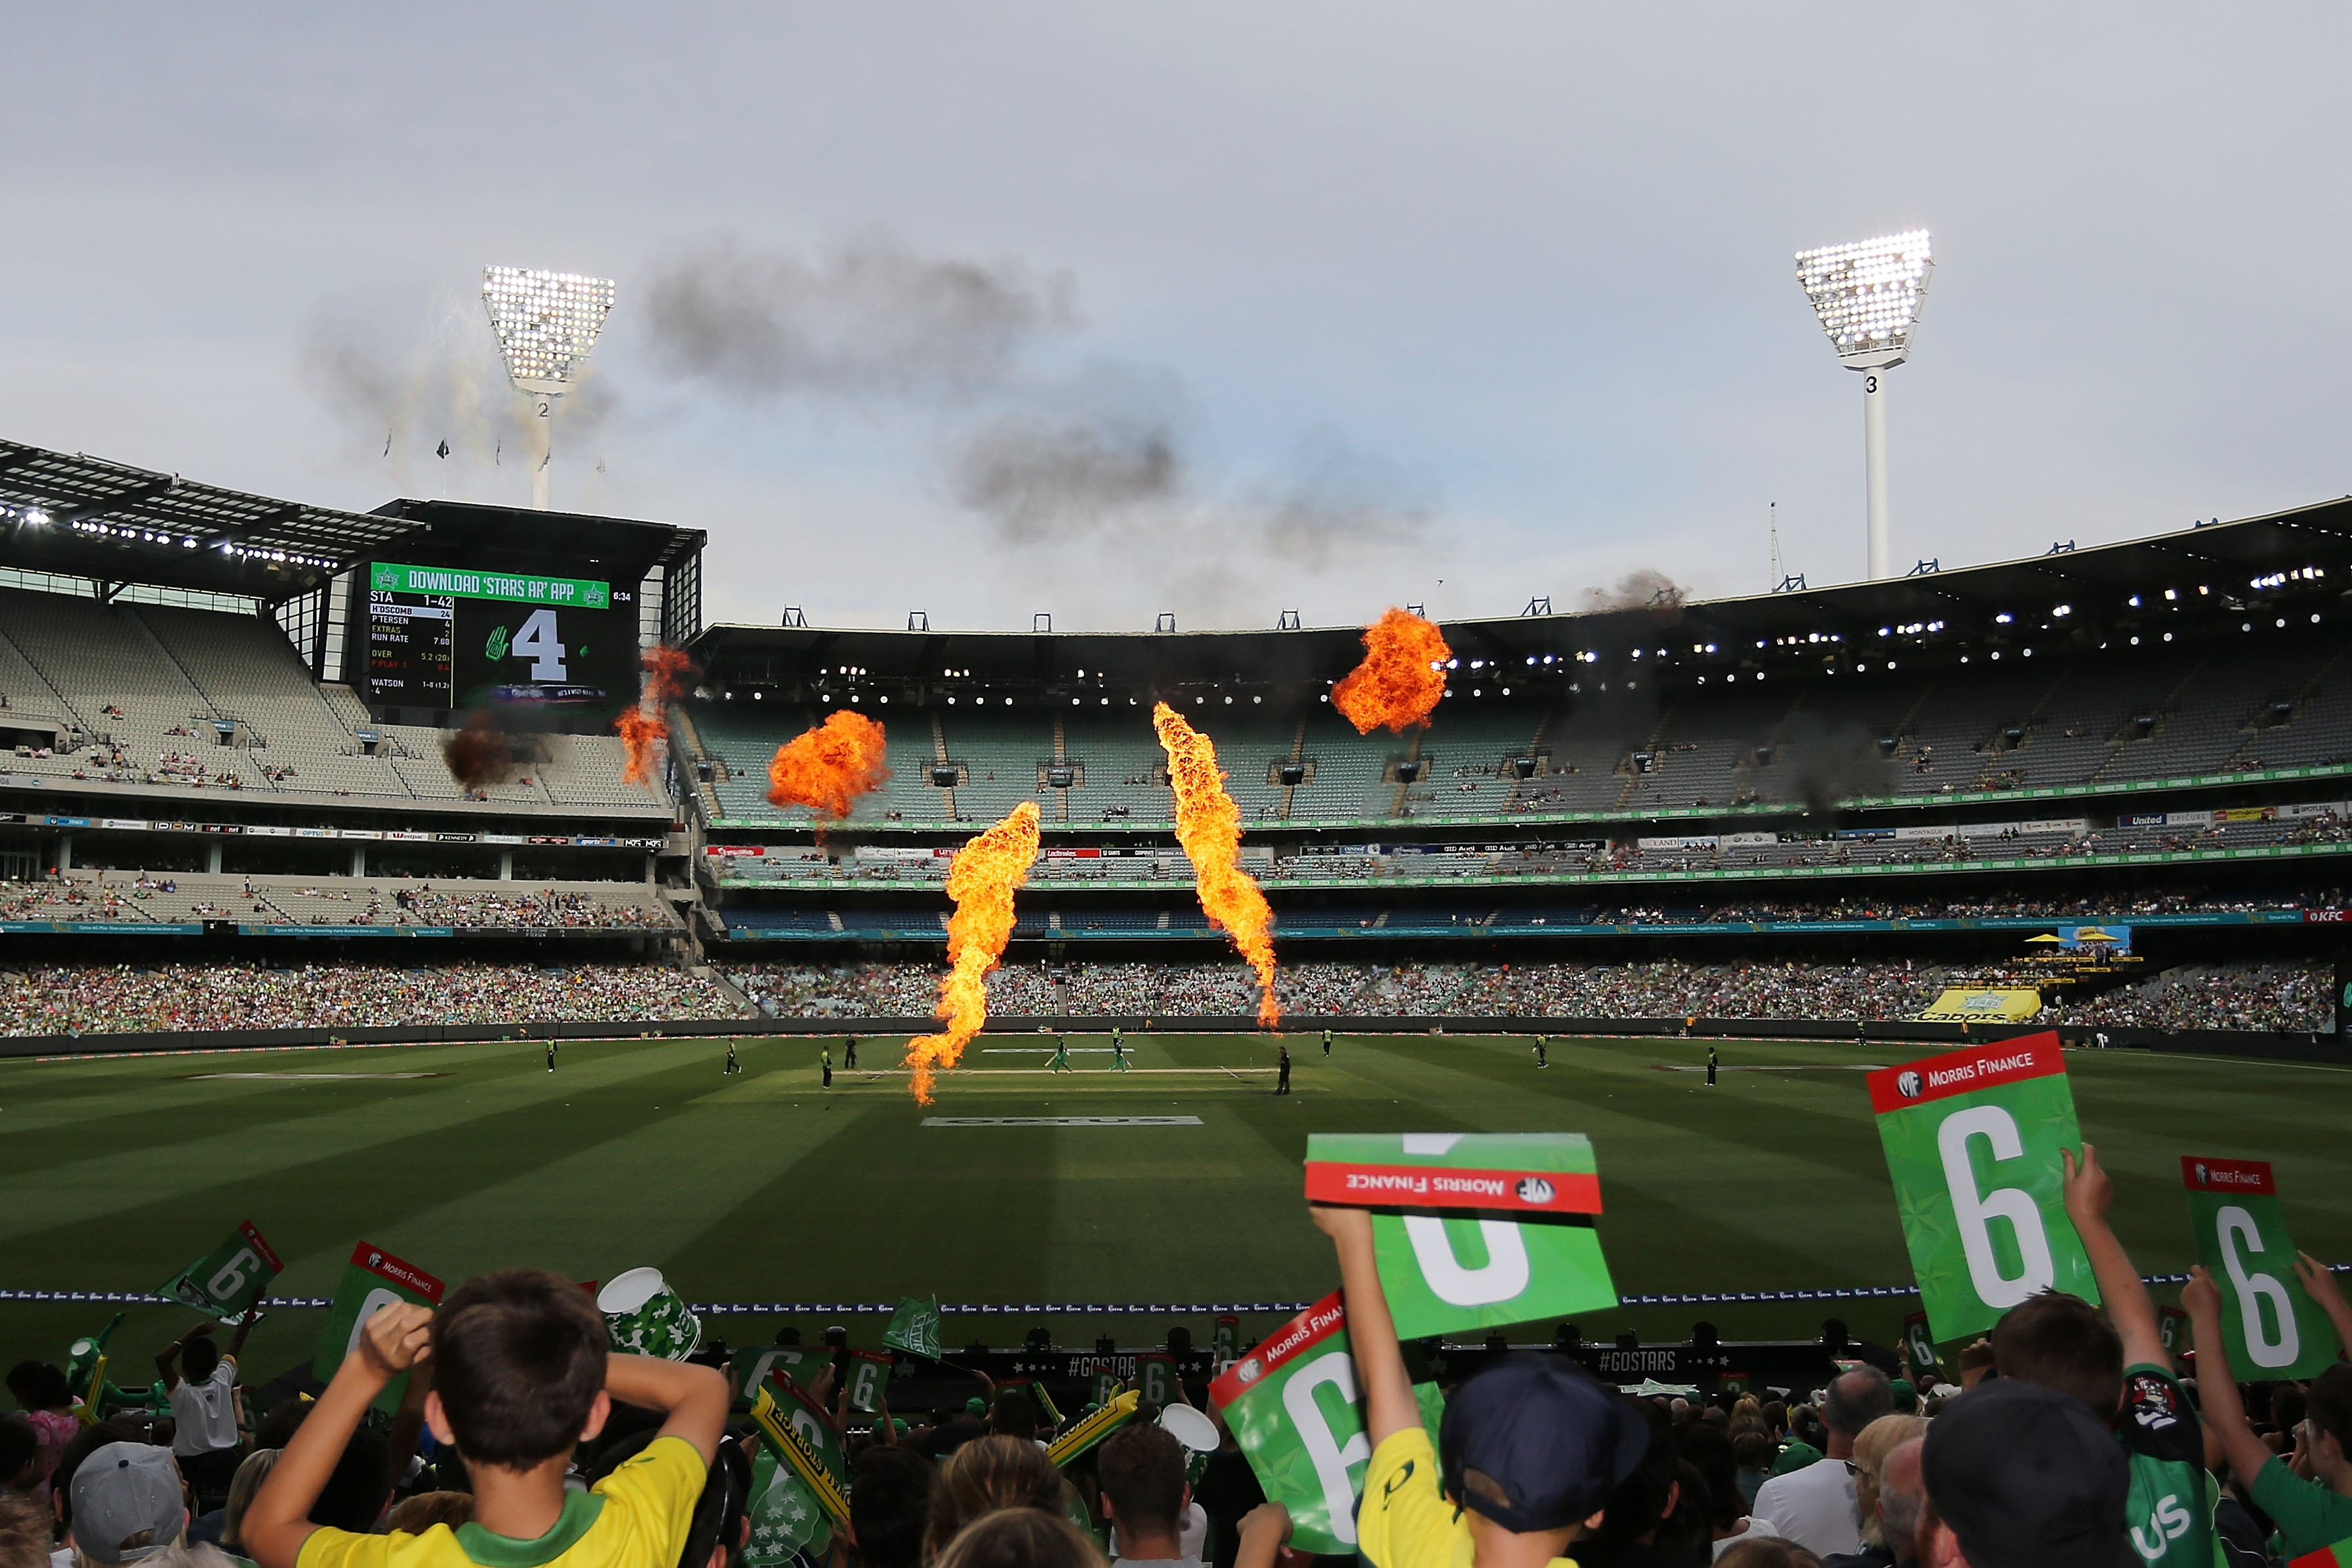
1223 310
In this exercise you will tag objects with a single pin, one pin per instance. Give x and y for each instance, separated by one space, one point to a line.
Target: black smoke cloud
869 318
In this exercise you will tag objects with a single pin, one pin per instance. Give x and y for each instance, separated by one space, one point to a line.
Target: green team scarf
2269 1327
373 1280
1292 1406
1972 1141
224 1282
915 1327
797 1433
869 1380
1472 1230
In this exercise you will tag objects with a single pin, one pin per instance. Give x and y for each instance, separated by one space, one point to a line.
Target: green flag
1472 1230
2269 1327
786 1518
869 1380
224 1282
915 1327
1972 1141
373 1280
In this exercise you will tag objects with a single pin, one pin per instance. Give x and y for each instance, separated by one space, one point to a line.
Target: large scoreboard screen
450 637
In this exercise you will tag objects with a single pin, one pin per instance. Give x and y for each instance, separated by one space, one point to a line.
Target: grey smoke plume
1042 478
446 384
1640 589
1832 762
869 318
1340 500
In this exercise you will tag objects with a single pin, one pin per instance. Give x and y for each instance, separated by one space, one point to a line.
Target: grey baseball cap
123 1494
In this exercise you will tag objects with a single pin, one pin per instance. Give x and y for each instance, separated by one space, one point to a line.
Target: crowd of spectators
119 998
625 907
2242 997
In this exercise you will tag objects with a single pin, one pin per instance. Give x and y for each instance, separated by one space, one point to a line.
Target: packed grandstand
2107 788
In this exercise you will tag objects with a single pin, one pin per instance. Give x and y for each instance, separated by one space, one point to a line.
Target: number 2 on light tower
535 640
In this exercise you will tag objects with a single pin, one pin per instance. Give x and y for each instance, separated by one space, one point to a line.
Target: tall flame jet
1401 677
1209 826
666 670
982 879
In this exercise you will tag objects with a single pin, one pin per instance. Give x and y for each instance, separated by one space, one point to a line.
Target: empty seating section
151 691
182 897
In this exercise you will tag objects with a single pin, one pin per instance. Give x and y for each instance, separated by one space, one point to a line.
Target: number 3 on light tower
535 640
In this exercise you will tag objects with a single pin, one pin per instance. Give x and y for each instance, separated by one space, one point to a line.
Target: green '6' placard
2269 1327
1973 1140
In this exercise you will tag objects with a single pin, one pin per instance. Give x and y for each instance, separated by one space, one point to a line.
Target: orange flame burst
667 672
1401 677
981 880
1209 826
828 767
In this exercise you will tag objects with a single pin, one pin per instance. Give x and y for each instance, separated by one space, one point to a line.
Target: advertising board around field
1973 1140
1472 1230
2269 1327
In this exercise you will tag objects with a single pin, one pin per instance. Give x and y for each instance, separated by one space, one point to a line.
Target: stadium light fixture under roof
546 324
1866 295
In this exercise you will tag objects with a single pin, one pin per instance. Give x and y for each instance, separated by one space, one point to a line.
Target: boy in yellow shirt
521 1374
1529 1449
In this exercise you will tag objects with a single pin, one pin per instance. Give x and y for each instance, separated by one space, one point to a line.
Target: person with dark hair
2310 1514
200 1379
20 1455
415 1515
1814 1506
1767 1552
1144 1495
890 1503
1528 1453
1013 1415
1282 1065
1020 1538
521 1376
39 1388
2020 1475
359 1488
1630 1520
1708 1447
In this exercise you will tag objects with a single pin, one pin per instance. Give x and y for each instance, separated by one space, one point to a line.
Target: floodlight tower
1867 296
546 323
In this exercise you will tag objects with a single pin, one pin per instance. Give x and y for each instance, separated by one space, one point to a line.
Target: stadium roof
2216 573
77 515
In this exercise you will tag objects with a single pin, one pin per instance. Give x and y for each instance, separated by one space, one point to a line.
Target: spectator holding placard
2311 1514
200 1379
1532 1446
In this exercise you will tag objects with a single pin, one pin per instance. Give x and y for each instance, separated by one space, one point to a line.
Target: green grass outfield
114 1172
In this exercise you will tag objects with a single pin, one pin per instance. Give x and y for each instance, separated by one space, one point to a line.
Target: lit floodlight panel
1867 294
546 322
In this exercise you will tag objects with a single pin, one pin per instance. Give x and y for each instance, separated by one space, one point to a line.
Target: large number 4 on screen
537 639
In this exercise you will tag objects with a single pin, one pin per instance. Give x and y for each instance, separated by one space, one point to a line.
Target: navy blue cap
2026 1476
1533 1443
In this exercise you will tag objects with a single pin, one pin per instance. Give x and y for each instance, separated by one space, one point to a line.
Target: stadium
355 872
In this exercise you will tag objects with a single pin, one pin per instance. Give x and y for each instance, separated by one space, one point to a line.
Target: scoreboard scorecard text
448 637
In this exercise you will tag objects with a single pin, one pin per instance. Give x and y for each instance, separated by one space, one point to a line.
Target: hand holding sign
395 1338
2271 1327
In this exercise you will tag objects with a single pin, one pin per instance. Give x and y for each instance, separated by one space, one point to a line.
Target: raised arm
236 1341
2089 1193
2320 1285
1387 1387
167 1358
277 1521
694 1398
2217 1384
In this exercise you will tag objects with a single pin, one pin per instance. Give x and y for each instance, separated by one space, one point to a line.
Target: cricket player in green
1117 1053
1061 1062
